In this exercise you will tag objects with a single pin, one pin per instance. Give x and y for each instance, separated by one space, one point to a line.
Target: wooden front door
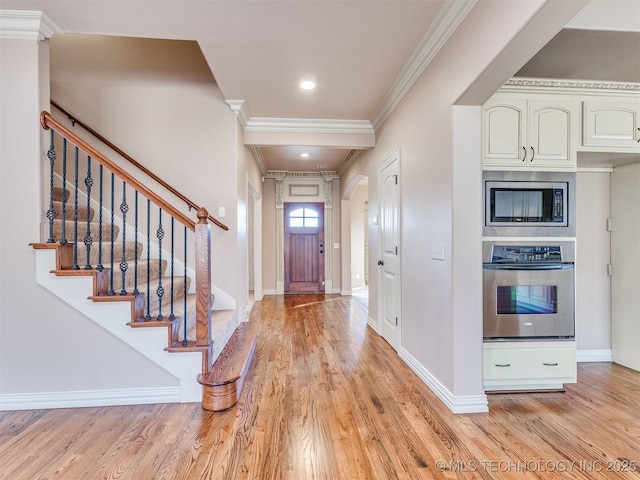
304 247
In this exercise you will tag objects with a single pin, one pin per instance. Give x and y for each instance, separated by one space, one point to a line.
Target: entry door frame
391 333
319 250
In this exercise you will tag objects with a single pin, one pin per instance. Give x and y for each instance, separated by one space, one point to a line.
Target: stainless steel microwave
529 204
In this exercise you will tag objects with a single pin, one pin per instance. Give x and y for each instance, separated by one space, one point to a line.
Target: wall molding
573 85
89 398
307 125
602 355
447 21
457 404
281 175
26 25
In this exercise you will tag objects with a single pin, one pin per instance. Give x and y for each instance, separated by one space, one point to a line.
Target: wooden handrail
131 160
48 122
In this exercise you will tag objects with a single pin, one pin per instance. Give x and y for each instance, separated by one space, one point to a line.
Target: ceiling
362 55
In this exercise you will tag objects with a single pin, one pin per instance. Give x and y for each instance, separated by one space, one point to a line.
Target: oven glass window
527 299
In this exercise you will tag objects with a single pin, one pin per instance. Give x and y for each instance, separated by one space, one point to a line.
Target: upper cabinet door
611 124
550 134
521 133
504 131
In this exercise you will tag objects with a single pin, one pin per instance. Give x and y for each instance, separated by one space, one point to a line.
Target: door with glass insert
304 248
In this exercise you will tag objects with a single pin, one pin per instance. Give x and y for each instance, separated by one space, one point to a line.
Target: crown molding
26 25
240 111
533 83
284 174
348 160
305 125
447 21
259 158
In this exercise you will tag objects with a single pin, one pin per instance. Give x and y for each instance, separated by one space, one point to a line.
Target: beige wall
45 345
269 225
358 225
157 100
593 254
440 178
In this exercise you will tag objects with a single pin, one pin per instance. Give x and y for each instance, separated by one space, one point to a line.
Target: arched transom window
303 217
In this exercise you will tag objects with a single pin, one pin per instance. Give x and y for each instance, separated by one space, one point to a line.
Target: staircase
147 300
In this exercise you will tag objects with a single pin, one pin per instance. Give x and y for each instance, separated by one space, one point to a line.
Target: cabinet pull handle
555 364
638 135
502 365
533 154
524 156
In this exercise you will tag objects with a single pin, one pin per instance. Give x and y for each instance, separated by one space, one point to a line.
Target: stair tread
234 359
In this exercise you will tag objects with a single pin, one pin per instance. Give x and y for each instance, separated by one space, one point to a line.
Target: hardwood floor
327 398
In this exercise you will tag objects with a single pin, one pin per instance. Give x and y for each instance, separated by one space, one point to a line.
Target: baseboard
457 404
269 292
373 324
603 355
89 398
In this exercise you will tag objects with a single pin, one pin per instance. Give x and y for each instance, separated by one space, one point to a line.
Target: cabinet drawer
529 363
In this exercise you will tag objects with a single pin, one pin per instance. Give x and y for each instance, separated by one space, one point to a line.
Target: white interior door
389 261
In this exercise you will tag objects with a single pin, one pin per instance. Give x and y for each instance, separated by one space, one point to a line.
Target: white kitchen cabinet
529 365
611 123
525 133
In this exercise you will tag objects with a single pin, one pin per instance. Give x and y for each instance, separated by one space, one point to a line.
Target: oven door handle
555 266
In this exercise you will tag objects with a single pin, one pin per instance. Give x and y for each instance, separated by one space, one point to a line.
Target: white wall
45 345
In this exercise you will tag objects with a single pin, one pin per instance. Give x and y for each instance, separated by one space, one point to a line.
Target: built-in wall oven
528 291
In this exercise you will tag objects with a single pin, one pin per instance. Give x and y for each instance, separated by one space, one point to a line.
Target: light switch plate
438 251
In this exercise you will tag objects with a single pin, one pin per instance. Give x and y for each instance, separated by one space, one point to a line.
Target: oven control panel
526 254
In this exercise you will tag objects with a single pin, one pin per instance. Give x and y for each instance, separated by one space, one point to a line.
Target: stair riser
178 301
82 230
69 212
130 253
154 270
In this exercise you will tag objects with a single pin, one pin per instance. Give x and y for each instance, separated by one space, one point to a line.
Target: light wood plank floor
329 399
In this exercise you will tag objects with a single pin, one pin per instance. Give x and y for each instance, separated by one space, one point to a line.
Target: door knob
380 262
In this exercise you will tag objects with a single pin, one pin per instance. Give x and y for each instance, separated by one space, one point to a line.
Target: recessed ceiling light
304 155
322 166
307 85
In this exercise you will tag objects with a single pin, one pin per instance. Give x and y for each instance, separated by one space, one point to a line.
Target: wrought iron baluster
63 236
184 289
135 245
148 314
124 266
51 213
111 291
172 314
99 265
160 289
88 240
75 210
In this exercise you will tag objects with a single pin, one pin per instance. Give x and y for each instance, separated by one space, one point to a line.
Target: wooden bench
222 385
